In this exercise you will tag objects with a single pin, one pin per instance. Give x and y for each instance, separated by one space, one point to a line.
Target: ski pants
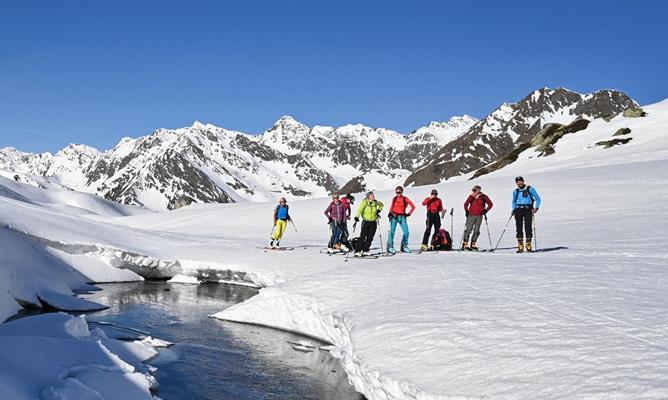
344 233
337 230
524 218
433 219
401 221
366 235
473 223
279 229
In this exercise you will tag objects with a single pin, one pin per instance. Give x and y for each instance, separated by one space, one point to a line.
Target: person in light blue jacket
526 203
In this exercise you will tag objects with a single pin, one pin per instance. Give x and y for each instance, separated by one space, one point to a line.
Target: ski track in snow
586 321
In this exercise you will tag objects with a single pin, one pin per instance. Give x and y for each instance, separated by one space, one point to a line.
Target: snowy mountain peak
514 123
74 149
199 125
287 121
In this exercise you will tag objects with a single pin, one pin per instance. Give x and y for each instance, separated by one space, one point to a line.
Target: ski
332 253
267 248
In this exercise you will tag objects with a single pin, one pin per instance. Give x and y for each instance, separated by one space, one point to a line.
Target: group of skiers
525 203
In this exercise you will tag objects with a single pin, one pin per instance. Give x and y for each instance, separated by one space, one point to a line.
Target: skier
281 218
348 200
398 214
476 205
435 213
369 210
336 213
526 203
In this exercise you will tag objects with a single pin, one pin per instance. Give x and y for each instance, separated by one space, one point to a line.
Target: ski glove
467 214
331 220
357 219
484 212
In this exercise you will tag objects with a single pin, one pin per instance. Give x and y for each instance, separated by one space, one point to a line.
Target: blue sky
92 72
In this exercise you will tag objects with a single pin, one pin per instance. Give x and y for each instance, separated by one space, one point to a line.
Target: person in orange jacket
399 211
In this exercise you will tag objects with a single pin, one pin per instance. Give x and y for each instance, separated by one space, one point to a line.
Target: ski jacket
346 203
369 210
336 211
433 205
527 197
400 205
478 205
282 213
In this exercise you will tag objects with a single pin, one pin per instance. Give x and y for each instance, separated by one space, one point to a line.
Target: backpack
441 240
526 192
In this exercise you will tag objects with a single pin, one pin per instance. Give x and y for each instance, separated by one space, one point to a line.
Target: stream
218 360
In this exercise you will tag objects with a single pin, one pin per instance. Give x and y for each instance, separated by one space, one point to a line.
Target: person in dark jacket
435 212
337 213
526 203
348 201
475 207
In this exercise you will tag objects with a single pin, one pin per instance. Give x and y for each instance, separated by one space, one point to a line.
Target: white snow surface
589 320
55 357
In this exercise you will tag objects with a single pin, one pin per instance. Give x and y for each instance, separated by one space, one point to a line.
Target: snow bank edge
274 308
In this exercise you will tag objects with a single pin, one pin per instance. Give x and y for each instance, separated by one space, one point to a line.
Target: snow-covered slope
206 164
512 124
586 320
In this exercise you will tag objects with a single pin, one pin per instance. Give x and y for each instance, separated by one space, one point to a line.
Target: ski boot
330 250
271 244
465 246
520 246
474 246
344 248
405 249
424 247
366 254
529 247
391 250
359 254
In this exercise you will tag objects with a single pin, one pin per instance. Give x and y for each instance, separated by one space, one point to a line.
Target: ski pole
452 222
380 235
293 225
488 234
461 241
504 230
535 238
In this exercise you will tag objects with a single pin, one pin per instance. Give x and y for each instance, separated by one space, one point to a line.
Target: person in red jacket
476 205
435 212
398 214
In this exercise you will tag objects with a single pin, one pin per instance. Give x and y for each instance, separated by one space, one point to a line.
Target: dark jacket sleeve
328 211
489 203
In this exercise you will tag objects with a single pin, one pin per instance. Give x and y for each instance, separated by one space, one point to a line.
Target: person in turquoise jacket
526 203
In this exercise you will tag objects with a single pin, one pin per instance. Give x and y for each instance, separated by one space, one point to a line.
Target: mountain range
203 163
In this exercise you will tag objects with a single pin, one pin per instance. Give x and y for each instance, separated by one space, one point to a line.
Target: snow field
587 321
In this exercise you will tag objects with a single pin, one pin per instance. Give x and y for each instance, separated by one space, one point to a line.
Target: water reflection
214 359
